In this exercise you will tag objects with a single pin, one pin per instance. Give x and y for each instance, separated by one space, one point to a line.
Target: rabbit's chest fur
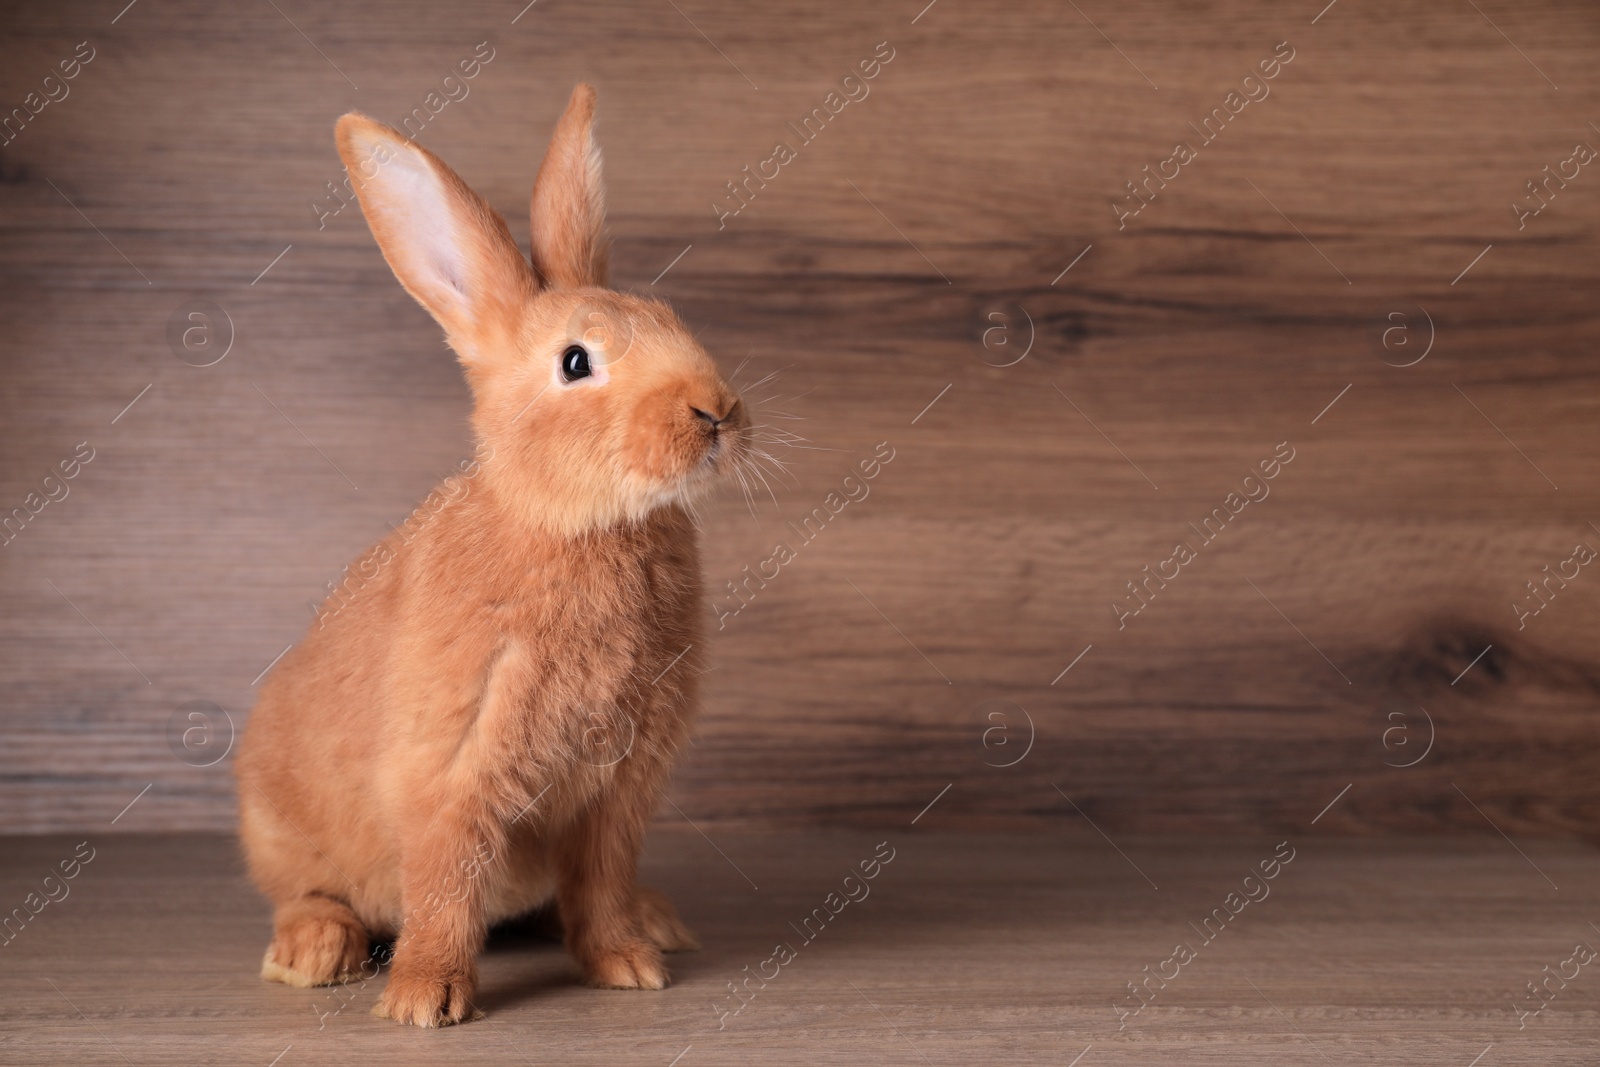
589 634
587 688
580 655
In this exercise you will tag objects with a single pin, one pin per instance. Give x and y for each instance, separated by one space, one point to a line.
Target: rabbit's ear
568 210
446 245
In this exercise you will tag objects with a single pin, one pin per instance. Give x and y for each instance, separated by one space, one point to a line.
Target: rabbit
423 763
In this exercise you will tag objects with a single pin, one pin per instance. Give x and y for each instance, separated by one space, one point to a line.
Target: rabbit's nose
713 420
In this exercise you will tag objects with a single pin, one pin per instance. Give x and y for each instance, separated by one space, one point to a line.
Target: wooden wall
880 271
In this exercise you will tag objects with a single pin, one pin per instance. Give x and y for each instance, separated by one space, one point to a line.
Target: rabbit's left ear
447 246
568 209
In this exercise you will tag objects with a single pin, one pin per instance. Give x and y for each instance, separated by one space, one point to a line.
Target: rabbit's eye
575 363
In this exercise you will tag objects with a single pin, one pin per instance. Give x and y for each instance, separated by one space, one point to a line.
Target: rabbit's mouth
722 451
724 437
712 466
729 446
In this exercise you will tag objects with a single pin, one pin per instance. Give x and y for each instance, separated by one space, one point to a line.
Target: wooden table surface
966 949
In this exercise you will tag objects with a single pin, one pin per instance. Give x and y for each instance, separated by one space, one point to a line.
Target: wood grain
1170 359
964 949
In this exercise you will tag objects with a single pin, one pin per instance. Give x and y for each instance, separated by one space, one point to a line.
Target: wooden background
984 161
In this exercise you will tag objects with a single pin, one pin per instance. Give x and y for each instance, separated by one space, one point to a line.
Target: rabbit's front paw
634 964
316 941
426 998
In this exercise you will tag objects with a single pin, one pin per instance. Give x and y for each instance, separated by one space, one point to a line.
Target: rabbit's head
594 407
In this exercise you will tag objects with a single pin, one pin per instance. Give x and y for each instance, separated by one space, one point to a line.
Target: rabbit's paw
633 964
316 942
427 999
659 922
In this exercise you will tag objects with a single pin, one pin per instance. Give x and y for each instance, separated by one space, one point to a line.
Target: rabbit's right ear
446 245
567 212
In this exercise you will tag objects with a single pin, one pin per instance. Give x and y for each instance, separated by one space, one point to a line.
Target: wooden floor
967 949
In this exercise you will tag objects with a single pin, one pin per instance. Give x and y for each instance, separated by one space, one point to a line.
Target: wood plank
965 948
1191 343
